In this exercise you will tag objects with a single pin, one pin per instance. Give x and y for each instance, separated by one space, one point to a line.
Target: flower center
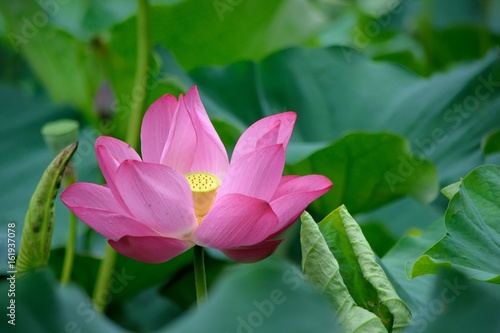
204 187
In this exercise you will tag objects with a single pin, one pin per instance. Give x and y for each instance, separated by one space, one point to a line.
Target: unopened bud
59 134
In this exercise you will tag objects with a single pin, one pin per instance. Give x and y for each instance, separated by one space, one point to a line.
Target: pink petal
193 145
96 206
272 130
249 254
156 126
111 153
180 148
256 174
210 155
294 195
158 196
280 191
153 250
236 220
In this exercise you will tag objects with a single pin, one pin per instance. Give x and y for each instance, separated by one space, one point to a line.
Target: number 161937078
11 245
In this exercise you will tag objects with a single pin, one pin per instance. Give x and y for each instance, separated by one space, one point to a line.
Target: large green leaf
27 157
423 35
363 276
252 90
129 278
379 237
472 241
42 306
86 19
67 66
416 293
444 117
459 305
369 170
179 287
84 271
147 275
265 297
491 143
38 227
146 312
322 269
232 24
225 31
403 216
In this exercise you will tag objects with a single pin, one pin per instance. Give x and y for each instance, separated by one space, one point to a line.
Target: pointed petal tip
156 126
110 142
193 91
201 143
322 181
65 196
290 115
110 153
102 139
268 131
293 196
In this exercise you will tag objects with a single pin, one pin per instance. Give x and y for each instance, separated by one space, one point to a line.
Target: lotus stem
69 253
200 275
139 92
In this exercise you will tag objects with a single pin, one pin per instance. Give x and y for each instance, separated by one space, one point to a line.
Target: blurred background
396 99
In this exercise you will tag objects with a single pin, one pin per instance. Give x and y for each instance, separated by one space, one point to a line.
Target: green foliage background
395 100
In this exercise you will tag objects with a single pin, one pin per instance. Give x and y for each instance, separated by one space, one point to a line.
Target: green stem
200 277
484 36
134 126
69 255
100 296
426 36
139 90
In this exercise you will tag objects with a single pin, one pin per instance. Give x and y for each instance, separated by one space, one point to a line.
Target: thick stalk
69 254
139 93
199 275
100 296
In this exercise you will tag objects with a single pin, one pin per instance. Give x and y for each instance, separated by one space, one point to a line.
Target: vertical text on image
11 264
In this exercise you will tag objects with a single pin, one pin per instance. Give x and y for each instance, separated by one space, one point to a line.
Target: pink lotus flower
184 191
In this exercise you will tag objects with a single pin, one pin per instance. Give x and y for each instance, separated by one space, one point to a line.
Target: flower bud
60 133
